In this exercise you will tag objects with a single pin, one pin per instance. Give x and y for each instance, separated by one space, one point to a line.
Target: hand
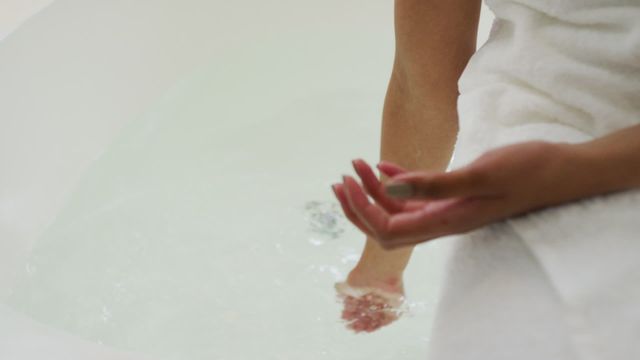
369 303
501 183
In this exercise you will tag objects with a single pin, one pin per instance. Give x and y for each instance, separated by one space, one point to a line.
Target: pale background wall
15 12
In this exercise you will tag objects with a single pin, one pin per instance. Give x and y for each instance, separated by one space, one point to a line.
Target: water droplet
325 219
106 314
31 269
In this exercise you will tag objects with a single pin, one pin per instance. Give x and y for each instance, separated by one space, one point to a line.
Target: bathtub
165 173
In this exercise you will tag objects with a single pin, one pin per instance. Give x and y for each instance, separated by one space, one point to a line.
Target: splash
325 221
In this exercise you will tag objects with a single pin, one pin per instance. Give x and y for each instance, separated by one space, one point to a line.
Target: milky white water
207 229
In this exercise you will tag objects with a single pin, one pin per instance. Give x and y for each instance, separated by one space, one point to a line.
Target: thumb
436 185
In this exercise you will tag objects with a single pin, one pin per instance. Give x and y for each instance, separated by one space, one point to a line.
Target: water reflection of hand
368 309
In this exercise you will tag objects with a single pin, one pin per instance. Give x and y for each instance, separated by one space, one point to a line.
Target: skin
434 41
502 183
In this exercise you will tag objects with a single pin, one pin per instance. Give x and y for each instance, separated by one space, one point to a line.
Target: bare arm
434 41
504 182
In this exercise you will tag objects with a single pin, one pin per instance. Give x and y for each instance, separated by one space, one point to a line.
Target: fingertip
382 167
388 164
347 179
356 166
362 167
353 191
358 162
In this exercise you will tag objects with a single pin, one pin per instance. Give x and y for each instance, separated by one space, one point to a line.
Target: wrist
382 263
368 276
613 161
591 169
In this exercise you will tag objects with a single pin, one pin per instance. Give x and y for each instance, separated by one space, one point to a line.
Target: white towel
562 283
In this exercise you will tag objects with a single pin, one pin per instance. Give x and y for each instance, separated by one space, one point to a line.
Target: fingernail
400 190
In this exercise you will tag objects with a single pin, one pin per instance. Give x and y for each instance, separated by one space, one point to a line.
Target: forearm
434 41
415 136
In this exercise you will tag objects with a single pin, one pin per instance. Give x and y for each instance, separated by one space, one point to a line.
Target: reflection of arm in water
434 41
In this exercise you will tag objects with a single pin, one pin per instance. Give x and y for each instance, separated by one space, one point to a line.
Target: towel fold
561 283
